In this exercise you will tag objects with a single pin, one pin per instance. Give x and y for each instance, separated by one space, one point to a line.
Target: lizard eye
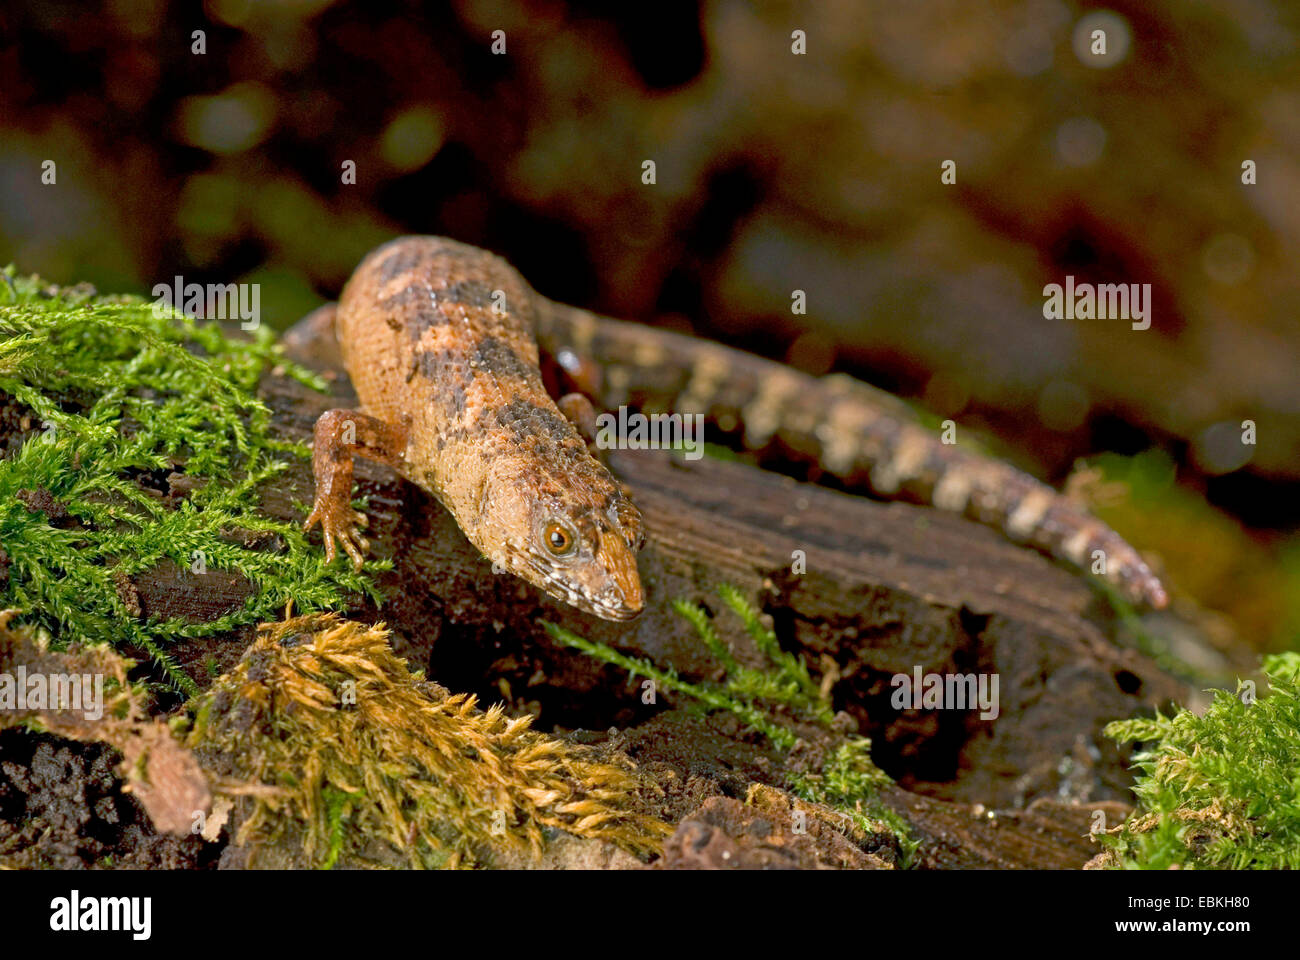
558 540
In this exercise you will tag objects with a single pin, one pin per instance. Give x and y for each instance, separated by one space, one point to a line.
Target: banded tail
861 435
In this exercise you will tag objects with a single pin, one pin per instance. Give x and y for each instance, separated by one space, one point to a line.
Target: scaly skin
452 396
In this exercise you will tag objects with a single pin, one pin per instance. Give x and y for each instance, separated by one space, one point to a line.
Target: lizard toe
354 549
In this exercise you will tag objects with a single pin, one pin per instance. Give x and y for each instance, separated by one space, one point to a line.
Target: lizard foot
578 410
341 522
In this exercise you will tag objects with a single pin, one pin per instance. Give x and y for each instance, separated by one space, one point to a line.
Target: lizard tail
863 436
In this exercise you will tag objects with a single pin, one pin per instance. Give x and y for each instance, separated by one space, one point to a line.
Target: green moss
850 783
755 696
1132 631
789 682
1219 790
338 808
710 695
847 782
714 451
115 399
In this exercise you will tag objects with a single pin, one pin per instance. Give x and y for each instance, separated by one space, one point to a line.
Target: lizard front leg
577 408
341 435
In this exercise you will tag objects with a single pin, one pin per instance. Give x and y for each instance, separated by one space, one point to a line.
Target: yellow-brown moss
336 740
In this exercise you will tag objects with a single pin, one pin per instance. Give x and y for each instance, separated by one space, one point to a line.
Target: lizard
443 343
438 340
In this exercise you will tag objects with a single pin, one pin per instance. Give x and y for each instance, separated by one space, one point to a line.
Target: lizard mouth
620 599
612 604
621 612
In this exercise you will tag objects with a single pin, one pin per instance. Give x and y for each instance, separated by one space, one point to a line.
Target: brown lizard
441 342
438 340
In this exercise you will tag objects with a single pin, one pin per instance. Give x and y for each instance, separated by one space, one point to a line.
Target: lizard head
575 536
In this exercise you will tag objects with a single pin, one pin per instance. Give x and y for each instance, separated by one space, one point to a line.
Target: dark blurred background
775 172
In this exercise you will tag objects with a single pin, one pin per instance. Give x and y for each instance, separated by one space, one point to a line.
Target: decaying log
884 589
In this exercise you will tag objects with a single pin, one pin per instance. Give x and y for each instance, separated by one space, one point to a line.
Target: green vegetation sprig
1220 790
847 782
112 400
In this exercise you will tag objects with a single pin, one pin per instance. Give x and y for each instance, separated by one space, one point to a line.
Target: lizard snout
628 601
622 598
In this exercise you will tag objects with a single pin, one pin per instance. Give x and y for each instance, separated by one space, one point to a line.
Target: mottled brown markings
498 358
440 367
431 363
549 488
1026 515
466 255
455 393
451 436
403 259
443 365
844 425
413 298
420 296
471 293
422 319
524 419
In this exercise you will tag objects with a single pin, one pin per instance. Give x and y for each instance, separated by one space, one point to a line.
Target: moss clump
850 784
767 700
333 744
1219 790
112 400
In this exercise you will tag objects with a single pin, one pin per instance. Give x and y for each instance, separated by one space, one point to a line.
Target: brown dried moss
337 744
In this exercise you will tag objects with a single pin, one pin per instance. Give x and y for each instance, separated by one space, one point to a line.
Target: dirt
62 807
